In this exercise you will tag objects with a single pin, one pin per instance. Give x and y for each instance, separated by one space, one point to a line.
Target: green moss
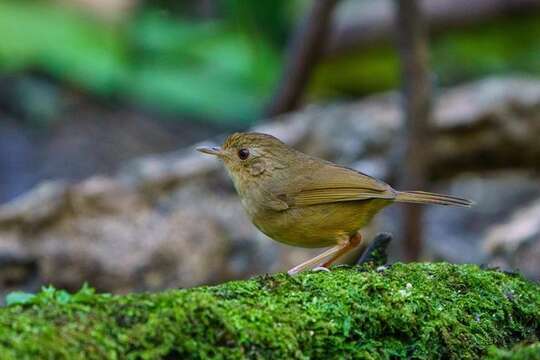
410 311
518 352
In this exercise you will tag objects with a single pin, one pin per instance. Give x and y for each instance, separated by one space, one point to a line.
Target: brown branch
304 51
413 52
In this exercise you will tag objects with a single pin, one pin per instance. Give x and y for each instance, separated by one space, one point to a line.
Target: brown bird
308 202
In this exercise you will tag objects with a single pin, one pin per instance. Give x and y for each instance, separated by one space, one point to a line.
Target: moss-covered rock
404 311
519 352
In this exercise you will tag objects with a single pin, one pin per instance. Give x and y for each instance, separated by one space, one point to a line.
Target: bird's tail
422 197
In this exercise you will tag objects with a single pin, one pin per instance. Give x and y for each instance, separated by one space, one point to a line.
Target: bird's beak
211 150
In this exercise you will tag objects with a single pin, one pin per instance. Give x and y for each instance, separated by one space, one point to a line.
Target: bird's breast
318 225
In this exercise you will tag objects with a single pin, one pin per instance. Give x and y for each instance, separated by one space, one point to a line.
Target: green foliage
519 352
357 73
49 295
265 20
499 46
207 69
225 69
19 298
203 69
62 43
406 311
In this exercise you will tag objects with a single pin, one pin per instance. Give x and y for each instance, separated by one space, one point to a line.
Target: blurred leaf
357 74
265 20
86 293
19 298
64 43
62 296
204 69
193 92
499 46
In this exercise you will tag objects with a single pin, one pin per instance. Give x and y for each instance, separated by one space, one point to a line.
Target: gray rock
515 243
458 236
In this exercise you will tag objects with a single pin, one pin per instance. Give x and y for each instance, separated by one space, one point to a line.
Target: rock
516 242
113 237
456 234
174 220
426 311
36 207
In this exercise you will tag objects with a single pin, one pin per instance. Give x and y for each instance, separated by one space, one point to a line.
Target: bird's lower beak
211 150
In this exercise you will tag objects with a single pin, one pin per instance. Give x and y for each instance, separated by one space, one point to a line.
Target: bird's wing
331 183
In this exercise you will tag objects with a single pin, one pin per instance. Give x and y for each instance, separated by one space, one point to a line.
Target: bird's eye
243 154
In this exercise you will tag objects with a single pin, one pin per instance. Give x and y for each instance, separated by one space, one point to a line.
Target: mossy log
402 311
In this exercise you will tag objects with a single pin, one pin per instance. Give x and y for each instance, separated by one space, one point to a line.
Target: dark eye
243 154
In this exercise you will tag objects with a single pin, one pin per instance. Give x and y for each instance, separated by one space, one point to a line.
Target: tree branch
303 54
413 52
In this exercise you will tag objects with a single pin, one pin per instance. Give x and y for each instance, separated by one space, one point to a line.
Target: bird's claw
321 268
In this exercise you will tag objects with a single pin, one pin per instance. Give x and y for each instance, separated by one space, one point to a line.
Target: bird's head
248 156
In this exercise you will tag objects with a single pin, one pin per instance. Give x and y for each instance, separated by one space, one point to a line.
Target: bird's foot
294 271
321 268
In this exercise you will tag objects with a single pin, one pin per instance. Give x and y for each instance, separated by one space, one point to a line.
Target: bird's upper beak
211 150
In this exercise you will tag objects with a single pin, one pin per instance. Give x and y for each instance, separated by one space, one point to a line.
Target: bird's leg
353 242
317 259
335 252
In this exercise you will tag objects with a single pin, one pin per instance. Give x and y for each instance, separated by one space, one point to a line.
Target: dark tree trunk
413 52
303 54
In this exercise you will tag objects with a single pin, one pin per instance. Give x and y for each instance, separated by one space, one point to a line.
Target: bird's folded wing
337 184
324 196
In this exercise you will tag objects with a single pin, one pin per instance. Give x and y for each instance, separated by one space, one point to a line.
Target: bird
305 201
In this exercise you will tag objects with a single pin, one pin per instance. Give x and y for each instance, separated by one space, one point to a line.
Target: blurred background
103 101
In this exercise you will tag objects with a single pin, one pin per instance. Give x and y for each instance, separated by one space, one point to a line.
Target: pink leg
335 253
353 242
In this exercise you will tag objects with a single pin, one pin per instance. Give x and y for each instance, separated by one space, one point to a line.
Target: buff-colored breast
318 225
